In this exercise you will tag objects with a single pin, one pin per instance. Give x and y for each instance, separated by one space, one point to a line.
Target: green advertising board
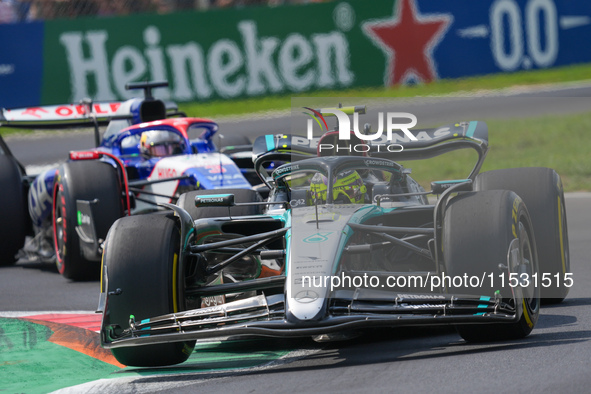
216 54
294 49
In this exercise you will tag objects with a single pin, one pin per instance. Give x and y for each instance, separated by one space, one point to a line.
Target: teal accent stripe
482 306
188 235
479 314
270 142
451 181
483 298
471 129
145 328
212 195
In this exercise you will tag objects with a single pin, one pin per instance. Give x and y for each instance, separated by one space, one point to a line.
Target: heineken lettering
255 65
288 49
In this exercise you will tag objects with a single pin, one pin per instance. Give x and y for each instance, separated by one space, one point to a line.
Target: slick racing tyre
187 202
141 254
13 210
541 190
487 234
83 180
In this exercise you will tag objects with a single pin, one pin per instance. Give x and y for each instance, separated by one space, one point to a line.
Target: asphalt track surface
554 358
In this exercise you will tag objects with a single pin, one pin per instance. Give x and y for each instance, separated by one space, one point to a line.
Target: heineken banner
259 51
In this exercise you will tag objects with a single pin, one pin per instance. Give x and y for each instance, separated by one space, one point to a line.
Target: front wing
348 309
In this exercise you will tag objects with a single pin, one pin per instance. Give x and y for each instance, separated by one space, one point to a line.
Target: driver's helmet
161 143
348 188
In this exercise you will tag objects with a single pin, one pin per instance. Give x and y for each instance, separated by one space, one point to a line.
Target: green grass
215 109
558 142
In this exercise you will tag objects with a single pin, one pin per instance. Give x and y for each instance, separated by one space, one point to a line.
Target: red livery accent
166 173
33 111
124 176
95 155
180 124
87 155
64 111
215 169
99 110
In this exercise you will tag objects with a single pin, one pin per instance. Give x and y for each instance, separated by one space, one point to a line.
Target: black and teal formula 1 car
343 243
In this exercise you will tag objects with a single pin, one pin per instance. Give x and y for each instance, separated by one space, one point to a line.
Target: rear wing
434 142
59 116
430 143
92 114
283 143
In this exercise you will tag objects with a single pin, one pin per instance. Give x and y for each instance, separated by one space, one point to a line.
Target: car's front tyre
141 258
489 235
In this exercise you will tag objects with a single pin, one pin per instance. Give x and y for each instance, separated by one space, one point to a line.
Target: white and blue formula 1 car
148 154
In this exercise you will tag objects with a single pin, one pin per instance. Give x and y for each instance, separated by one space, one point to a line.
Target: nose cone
310 264
315 248
306 305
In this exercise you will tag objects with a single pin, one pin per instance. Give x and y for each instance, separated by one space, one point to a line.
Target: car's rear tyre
478 231
13 210
141 254
541 190
187 202
83 180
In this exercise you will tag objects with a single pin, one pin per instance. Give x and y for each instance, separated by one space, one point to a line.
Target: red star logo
408 39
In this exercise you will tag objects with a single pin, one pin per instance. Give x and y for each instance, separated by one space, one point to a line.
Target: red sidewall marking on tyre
59 259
